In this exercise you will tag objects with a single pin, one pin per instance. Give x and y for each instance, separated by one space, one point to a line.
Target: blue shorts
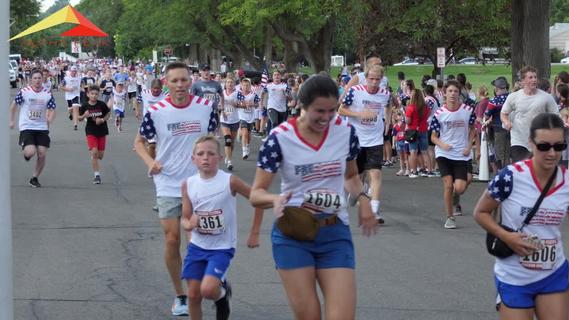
422 143
523 297
119 114
199 262
264 113
400 147
332 248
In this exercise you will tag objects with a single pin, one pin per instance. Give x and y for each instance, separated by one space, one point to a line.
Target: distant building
559 37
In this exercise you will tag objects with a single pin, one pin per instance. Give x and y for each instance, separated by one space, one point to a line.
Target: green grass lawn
476 74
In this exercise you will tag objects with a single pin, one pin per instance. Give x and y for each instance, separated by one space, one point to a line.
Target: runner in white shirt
175 123
278 93
229 120
118 102
534 281
315 155
71 84
209 211
360 78
37 112
453 131
147 98
366 107
248 103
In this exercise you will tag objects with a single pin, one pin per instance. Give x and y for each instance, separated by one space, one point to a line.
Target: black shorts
73 101
519 153
34 137
131 95
429 138
370 158
231 126
246 125
458 169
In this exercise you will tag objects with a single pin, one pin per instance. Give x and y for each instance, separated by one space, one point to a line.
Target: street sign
441 57
75 47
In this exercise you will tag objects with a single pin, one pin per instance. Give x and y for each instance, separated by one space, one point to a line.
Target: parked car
407 62
13 76
467 60
565 60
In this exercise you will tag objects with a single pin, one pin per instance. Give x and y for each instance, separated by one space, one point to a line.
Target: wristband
363 194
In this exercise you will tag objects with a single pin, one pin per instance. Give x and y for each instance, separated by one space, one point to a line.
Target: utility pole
6 282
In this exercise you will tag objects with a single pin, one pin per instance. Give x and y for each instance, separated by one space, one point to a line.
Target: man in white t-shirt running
519 110
174 123
37 112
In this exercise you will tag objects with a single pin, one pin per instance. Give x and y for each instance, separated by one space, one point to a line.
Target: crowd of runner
342 133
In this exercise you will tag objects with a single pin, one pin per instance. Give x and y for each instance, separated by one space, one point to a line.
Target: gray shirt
522 109
210 90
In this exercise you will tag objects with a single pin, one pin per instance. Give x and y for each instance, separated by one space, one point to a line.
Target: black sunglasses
547 146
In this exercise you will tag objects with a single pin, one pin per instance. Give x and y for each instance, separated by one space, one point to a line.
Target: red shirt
413 114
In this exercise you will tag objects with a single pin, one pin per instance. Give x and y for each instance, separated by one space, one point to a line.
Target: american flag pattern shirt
175 129
306 168
247 114
33 108
517 189
453 129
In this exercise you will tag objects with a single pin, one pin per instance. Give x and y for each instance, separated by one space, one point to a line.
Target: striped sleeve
354 145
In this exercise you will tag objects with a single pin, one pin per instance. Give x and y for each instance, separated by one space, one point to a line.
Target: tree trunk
269 45
290 56
530 37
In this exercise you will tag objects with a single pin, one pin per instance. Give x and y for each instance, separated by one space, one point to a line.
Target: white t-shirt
33 108
516 189
247 114
370 132
215 204
522 110
147 99
175 128
119 100
311 169
277 96
73 83
229 108
453 128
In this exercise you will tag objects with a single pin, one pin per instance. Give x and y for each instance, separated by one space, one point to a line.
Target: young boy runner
97 113
209 213
118 101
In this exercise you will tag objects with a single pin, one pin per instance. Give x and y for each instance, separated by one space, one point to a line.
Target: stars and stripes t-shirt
33 108
370 131
146 98
246 114
175 128
305 167
494 108
517 189
453 128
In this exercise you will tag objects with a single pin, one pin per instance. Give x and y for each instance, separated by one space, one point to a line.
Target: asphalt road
84 251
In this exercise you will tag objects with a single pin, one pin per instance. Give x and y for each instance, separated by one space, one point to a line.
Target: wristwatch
363 194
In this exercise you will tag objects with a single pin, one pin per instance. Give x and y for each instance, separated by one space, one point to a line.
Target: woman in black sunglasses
534 281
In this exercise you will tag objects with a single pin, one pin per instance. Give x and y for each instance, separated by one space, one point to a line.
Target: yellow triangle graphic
64 15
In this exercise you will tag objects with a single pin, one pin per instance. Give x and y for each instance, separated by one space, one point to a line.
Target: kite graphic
84 28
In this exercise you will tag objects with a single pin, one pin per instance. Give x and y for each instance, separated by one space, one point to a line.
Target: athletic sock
221 294
97 173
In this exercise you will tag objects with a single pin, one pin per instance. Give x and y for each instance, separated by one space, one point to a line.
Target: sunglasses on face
544 147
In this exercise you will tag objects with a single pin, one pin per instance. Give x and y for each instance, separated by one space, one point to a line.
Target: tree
530 37
559 12
23 14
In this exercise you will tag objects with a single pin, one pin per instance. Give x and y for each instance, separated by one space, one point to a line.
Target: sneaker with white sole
180 306
222 306
458 210
450 223
229 165
400 172
413 175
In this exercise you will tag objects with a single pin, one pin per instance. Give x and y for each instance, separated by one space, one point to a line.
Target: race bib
35 114
210 222
543 259
229 109
323 201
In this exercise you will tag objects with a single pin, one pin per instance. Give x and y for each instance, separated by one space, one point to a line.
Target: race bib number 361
210 222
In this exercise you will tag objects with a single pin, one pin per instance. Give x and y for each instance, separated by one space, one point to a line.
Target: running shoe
437 173
458 210
431 174
155 208
406 173
70 117
400 173
34 183
424 174
222 306
229 165
413 175
97 179
180 306
380 219
75 127
245 156
450 223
